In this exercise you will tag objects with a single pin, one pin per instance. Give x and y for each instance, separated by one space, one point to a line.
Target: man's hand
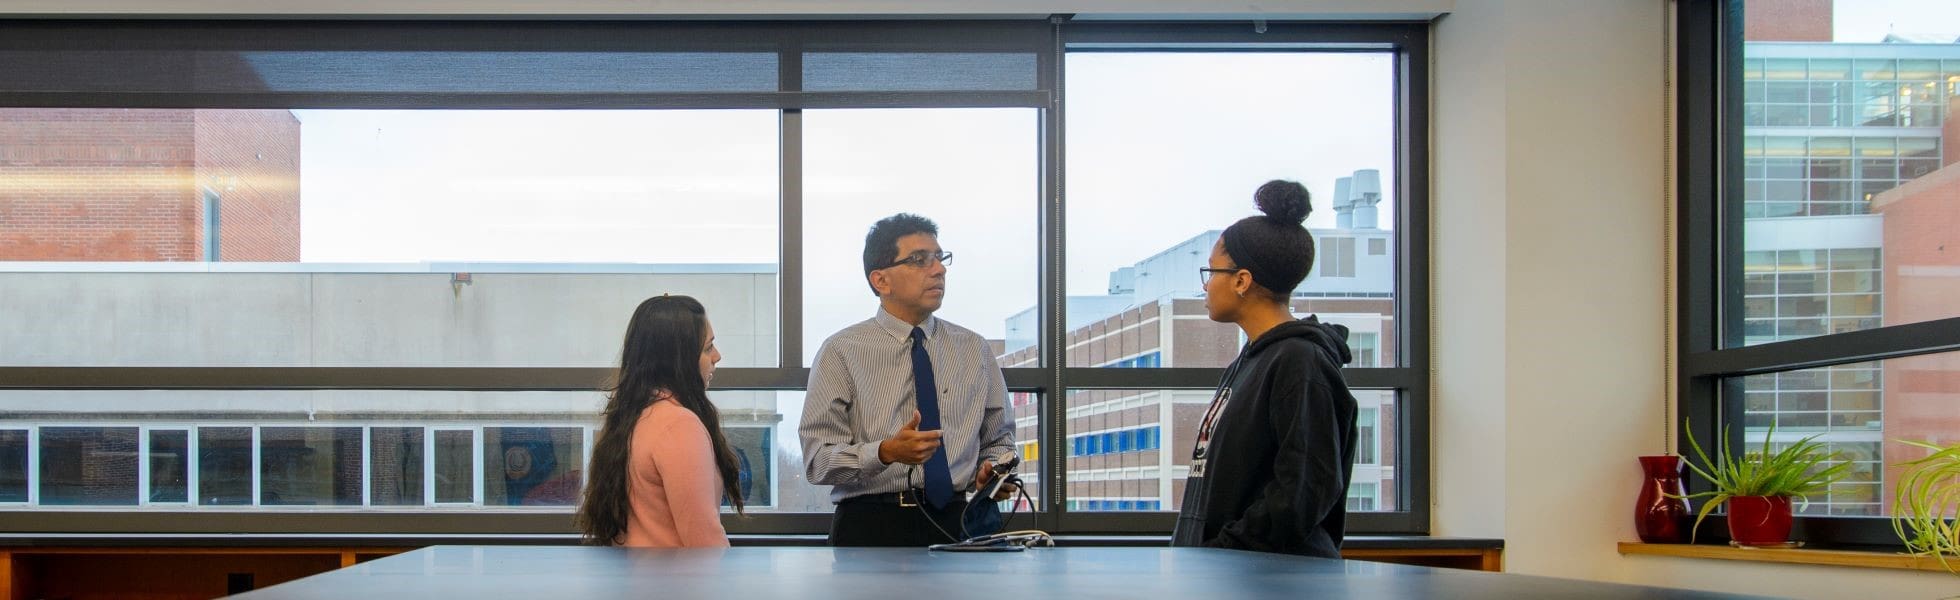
909 445
986 474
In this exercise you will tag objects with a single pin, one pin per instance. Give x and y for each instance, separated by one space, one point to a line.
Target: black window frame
1709 231
1408 42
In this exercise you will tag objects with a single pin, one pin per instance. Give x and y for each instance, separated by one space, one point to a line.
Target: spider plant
1798 470
1928 492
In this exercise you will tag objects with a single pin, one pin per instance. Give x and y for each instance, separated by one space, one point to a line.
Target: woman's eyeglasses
1205 274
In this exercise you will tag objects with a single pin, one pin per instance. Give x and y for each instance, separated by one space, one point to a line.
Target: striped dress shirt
861 393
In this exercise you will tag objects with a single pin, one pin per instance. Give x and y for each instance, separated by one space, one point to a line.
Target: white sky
538 186
1165 146
1867 21
1162 147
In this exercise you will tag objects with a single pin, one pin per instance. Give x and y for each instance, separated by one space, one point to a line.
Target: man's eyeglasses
924 259
1205 273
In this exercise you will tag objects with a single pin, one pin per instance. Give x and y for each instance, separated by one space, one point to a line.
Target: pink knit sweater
674 485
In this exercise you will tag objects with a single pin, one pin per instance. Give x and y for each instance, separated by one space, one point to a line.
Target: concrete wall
361 319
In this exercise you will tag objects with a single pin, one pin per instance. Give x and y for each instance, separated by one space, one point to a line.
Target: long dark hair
662 352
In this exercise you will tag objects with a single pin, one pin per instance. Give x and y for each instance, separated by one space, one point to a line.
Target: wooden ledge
1802 556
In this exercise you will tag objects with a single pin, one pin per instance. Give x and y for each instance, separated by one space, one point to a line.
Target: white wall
1549 250
1467 270
1548 246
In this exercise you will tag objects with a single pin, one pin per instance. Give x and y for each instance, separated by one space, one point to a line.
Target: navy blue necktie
939 478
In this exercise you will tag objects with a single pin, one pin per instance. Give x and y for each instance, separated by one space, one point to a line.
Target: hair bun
1281 199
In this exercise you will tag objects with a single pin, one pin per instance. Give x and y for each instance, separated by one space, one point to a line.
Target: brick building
149 185
1129 450
1922 278
1841 141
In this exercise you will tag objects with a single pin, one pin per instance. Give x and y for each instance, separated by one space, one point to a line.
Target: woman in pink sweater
661 465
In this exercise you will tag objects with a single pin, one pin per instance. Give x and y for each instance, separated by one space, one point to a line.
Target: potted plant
1758 486
1929 491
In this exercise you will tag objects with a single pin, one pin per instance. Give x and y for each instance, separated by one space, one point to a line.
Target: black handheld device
1003 472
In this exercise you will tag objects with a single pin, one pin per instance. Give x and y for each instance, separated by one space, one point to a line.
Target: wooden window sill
1802 556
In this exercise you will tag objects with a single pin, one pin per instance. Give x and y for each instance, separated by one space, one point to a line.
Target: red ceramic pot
1759 520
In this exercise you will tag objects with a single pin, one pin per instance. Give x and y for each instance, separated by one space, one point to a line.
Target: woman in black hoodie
1275 450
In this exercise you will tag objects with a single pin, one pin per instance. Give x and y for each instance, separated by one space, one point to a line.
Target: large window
510 449
381 238
1171 145
1247 117
975 172
358 276
1816 290
1134 446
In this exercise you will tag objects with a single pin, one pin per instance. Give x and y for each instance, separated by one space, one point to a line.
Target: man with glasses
906 413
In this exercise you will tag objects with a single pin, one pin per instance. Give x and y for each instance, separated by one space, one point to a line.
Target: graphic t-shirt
1218 402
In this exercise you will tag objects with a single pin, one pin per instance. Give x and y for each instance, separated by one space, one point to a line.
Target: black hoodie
1271 468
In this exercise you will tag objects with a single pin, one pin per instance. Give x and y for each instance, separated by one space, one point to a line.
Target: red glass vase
1759 520
1661 516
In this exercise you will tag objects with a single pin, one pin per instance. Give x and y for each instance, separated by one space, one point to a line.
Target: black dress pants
884 522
